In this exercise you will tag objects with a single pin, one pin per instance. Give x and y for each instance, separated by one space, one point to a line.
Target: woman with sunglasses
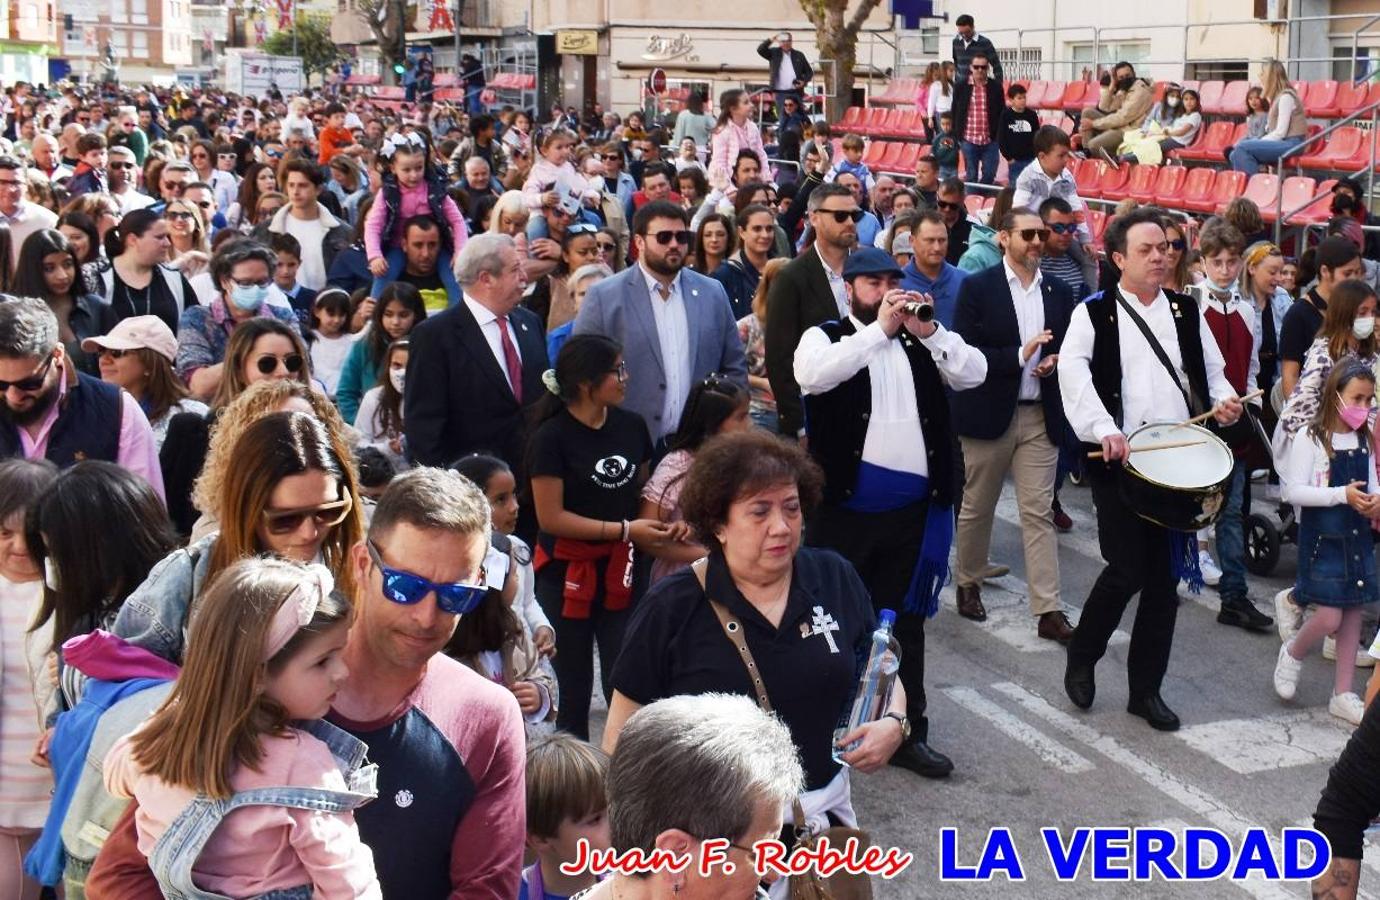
206 159
137 355
1176 259
262 349
588 459
396 312
186 229
258 181
551 299
49 269
243 271
289 493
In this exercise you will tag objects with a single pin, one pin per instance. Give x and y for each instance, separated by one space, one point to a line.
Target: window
119 11
1028 66
929 41
139 48
1367 63
1109 53
139 12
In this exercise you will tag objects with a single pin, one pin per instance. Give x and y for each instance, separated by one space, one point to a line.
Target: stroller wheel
1076 477
1262 545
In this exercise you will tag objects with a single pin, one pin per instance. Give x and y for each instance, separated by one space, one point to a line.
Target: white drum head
1199 465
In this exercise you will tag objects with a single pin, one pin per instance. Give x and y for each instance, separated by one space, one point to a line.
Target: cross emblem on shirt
823 623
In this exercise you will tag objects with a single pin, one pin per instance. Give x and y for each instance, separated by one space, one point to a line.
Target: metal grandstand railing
1371 112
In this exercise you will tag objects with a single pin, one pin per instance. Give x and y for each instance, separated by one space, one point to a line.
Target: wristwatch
905 724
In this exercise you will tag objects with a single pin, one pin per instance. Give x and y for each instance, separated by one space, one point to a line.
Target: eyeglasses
1180 245
621 372
115 354
32 383
122 165
326 515
1063 227
944 204
1029 235
843 215
268 364
205 204
611 157
181 214
605 247
977 68
667 237
456 598
227 156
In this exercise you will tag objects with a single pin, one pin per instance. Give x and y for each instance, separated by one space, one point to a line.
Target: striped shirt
1066 270
25 788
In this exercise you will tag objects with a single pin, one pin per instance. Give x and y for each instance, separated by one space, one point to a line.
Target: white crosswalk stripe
1050 751
1270 742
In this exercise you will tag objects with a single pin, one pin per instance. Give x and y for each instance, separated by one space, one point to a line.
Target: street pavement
1026 758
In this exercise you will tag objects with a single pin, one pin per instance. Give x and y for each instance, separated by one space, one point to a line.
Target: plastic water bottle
873 698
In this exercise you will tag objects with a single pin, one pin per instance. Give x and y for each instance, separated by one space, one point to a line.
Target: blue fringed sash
1183 559
880 489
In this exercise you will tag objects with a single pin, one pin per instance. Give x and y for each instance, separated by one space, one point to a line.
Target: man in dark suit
809 291
789 71
978 103
1014 421
475 367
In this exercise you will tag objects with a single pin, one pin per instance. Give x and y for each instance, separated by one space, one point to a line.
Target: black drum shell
1175 508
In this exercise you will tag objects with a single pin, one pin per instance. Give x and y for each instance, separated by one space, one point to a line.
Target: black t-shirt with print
1300 327
598 467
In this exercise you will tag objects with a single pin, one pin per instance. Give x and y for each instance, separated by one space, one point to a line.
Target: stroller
1263 536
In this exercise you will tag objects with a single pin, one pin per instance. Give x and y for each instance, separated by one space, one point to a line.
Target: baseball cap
901 244
135 333
869 261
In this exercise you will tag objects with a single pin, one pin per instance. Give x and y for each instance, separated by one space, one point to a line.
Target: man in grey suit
676 325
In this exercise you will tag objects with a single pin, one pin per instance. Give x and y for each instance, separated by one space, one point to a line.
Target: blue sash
882 490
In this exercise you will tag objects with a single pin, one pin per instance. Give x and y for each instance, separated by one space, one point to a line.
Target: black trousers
575 640
884 548
1137 557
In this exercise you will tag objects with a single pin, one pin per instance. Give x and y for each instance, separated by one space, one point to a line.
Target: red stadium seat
1210 143
872 156
1097 225
1341 144
1322 97
851 116
1141 180
912 125
1316 213
1053 97
1233 102
1227 186
1350 97
1112 184
1169 184
1087 174
1035 93
1077 94
909 157
1189 84
1298 190
892 156
974 204
1210 93
1260 190
1197 189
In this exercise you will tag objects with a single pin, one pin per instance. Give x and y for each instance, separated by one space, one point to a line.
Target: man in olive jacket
1124 103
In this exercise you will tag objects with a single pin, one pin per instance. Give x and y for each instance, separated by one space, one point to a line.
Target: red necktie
510 358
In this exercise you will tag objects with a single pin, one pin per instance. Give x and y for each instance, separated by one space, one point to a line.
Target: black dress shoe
920 758
1079 684
1243 614
1153 710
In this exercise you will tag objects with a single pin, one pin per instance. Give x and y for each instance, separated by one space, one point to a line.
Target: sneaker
1287 671
1206 565
1363 658
1288 615
1348 707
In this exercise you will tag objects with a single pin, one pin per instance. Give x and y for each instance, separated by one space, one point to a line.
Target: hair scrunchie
548 378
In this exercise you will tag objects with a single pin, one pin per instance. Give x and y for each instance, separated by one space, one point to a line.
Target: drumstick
1167 445
1209 414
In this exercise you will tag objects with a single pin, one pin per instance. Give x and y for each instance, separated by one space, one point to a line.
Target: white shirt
131 199
673 330
785 73
1030 321
835 283
310 233
1304 471
1147 392
27 219
894 439
488 326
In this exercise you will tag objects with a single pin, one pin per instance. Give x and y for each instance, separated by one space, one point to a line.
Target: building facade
150 40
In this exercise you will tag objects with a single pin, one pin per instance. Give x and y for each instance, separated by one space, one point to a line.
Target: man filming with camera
877 420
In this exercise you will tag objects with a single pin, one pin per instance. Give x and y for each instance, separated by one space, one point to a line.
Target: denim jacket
155 615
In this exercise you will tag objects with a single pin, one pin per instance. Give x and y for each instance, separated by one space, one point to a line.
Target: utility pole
455 23
294 27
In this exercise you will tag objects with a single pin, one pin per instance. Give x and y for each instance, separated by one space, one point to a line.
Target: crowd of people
400 416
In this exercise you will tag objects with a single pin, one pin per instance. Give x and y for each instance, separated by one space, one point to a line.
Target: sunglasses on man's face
408 589
944 204
610 157
326 515
1030 235
843 215
1063 227
668 237
268 364
979 68
32 383
122 165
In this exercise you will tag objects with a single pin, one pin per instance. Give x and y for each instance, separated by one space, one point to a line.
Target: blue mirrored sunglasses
408 589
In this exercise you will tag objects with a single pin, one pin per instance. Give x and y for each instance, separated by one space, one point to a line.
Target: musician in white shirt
1112 382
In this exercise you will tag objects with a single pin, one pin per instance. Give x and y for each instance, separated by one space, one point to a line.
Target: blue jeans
1014 170
1231 538
1249 156
396 262
473 104
987 155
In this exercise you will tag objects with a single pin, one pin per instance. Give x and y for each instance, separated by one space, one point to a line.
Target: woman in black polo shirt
588 459
807 618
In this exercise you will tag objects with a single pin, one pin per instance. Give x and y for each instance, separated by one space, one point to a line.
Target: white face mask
1363 327
1172 101
397 377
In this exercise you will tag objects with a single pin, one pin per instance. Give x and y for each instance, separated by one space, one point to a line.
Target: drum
1277 396
1181 488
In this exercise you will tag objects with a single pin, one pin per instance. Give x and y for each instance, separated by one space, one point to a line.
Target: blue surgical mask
248 298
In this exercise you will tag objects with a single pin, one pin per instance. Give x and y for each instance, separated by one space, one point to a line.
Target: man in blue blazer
676 325
1014 421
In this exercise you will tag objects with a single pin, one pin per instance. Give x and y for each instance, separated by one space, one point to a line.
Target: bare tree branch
860 15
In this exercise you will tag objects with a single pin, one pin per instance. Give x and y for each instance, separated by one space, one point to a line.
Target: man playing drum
1114 380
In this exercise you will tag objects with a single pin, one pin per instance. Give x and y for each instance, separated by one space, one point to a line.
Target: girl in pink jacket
735 132
234 800
411 187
